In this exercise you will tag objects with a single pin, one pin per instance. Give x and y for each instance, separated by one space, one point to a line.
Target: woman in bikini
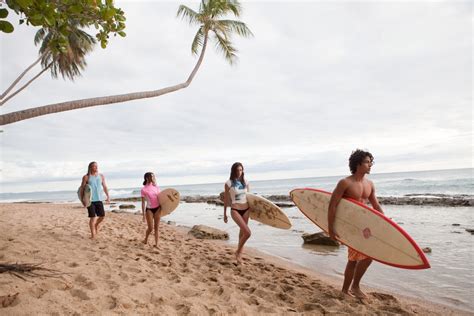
235 190
151 206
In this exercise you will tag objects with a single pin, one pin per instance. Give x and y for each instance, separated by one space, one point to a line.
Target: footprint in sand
37 292
314 307
183 308
253 300
286 298
111 302
79 294
113 285
124 276
85 282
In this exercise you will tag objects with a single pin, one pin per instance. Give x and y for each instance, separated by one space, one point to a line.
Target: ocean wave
123 192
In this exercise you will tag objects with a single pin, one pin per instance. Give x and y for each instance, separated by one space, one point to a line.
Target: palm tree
68 62
210 23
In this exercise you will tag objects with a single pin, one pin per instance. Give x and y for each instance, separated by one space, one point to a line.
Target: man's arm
106 190
373 199
336 196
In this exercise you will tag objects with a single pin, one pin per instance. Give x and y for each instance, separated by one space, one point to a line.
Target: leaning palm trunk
84 103
2 102
4 94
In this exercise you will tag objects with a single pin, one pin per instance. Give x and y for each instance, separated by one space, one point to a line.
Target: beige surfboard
363 229
169 201
86 198
265 212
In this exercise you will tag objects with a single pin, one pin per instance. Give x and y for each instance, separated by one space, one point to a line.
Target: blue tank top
96 187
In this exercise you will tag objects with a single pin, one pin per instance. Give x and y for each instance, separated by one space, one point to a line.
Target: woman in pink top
150 200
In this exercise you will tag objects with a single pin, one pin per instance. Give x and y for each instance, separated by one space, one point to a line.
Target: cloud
318 80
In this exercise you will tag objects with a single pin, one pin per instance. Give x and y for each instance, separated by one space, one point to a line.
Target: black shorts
154 210
96 209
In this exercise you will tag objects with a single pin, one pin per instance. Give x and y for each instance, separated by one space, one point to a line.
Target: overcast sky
319 79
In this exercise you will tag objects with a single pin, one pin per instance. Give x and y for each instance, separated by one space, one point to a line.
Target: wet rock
118 211
470 230
284 204
456 225
319 239
200 199
171 223
126 206
426 250
429 199
206 232
129 199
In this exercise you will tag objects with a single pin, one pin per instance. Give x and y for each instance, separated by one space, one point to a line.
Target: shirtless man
361 189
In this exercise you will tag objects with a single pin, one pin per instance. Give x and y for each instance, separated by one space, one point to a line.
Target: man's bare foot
156 246
346 294
145 241
92 237
358 293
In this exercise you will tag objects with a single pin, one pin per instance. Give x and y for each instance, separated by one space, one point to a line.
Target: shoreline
285 201
201 274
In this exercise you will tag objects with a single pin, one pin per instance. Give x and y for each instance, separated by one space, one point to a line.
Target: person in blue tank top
96 210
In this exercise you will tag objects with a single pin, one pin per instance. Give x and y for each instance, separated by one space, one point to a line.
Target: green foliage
208 19
5 26
63 17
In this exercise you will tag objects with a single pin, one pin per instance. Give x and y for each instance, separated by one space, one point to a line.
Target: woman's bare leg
244 234
149 222
157 218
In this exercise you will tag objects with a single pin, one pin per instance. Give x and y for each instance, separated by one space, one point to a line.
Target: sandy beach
118 274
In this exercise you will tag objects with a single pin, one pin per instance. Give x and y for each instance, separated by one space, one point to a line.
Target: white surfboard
265 212
363 229
86 198
169 201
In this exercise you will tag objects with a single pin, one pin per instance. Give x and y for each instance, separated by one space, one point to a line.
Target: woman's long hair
233 173
148 177
89 168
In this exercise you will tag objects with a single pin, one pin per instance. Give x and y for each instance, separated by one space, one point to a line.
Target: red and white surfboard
363 229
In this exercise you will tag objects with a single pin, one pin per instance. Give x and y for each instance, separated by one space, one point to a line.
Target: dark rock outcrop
319 239
206 232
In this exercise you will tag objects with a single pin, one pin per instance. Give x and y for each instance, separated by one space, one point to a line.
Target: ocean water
450 279
448 182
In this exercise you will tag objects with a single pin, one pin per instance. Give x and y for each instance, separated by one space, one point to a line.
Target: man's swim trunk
354 255
96 209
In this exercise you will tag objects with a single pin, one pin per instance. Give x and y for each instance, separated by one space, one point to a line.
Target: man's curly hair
357 157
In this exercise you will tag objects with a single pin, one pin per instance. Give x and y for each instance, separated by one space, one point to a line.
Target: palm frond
225 47
39 35
198 41
232 26
220 8
189 14
235 7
